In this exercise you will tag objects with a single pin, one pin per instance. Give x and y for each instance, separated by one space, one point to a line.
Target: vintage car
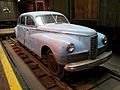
65 46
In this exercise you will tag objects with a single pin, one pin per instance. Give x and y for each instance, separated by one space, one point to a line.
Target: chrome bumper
86 64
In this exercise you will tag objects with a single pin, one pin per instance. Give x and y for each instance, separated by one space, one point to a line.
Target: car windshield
48 19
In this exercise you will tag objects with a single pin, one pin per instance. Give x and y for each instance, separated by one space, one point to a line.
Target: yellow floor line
11 77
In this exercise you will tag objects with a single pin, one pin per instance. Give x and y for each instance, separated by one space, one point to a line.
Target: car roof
36 13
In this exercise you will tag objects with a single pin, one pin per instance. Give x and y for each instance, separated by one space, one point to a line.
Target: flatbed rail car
8 13
92 79
37 72
7 32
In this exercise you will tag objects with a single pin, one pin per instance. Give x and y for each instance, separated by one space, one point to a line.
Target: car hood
68 29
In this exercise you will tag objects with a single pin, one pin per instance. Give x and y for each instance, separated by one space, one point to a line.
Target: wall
109 13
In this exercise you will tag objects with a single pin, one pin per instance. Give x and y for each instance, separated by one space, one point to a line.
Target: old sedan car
65 46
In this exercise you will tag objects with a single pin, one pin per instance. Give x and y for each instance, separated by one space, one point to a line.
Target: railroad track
84 80
39 69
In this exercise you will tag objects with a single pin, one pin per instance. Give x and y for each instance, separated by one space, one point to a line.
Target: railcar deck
36 75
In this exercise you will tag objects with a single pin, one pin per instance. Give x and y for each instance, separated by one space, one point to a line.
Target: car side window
23 20
29 21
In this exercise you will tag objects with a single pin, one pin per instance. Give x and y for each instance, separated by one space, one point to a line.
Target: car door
29 30
20 29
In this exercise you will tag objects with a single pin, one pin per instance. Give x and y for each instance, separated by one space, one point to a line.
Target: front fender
100 37
56 42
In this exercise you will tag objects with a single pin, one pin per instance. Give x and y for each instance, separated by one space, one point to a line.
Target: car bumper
86 64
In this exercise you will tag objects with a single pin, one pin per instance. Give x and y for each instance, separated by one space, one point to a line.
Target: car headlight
70 47
104 40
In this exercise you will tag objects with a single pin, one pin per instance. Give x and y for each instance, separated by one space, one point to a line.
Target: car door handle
27 30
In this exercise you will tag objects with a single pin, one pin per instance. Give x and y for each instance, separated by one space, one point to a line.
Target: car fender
56 42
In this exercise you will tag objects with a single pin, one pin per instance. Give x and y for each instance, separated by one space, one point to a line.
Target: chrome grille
94 45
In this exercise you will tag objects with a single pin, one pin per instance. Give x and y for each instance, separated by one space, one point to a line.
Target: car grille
94 45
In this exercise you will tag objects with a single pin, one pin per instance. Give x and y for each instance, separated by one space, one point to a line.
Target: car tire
55 68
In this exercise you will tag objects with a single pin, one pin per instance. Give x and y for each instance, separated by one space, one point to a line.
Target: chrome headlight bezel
104 40
70 48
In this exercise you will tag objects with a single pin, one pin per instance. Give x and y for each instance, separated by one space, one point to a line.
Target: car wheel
53 66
